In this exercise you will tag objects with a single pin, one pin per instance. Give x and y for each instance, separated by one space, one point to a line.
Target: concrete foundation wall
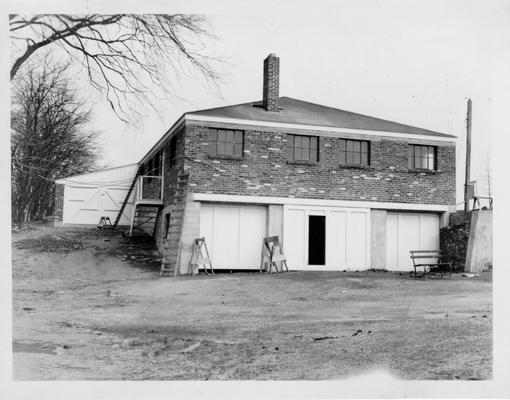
190 232
378 238
479 250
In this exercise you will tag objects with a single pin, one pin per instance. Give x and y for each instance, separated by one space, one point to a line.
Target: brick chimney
271 83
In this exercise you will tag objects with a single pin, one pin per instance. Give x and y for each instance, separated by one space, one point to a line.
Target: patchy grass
86 314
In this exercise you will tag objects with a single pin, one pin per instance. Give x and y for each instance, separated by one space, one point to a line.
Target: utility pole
468 156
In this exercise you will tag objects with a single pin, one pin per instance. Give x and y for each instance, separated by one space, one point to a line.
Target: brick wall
271 86
264 171
59 202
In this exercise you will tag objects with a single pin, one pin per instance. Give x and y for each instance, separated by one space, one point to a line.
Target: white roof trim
228 198
64 180
406 135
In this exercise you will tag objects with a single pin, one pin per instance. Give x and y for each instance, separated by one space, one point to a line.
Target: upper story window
422 157
302 148
226 142
354 152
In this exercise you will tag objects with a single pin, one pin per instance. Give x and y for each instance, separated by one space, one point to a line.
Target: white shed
88 197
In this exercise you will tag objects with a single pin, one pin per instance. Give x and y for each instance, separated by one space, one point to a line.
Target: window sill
224 157
302 162
355 166
424 171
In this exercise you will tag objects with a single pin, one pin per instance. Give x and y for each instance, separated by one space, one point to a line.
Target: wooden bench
431 259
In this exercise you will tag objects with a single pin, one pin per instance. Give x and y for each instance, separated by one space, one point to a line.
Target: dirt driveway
81 312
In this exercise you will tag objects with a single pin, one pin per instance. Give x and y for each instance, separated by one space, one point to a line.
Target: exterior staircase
145 219
172 242
147 201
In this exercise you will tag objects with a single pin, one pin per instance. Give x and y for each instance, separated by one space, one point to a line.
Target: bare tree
125 56
48 139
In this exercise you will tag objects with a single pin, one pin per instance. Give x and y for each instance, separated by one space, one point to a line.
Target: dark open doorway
316 240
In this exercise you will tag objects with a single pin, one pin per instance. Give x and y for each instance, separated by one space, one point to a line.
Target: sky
411 62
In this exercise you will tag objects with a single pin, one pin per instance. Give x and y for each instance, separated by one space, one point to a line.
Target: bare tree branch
127 57
48 139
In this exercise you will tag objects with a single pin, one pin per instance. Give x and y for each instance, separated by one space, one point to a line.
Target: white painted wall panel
391 240
357 240
294 236
336 243
406 232
233 234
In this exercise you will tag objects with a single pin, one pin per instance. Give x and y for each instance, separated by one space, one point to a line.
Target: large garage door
85 204
233 234
326 237
409 231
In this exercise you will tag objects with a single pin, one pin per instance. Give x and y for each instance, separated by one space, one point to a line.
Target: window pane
305 142
341 157
410 158
229 148
221 135
364 159
298 140
230 137
424 161
314 154
356 158
364 147
431 156
221 148
313 142
417 162
238 149
238 137
297 153
349 145
213 135
348 157
305 154
356 146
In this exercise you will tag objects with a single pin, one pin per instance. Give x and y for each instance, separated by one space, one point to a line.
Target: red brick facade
264 170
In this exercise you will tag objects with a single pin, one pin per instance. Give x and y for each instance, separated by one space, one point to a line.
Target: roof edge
93 172
321 128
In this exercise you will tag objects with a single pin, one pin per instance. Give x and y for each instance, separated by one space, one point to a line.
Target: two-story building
344 191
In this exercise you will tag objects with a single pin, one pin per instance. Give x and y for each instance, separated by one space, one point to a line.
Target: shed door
409 231
233 234
87 204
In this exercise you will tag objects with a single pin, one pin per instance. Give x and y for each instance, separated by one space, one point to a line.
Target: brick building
343 190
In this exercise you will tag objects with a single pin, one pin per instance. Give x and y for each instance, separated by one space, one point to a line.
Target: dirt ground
89 304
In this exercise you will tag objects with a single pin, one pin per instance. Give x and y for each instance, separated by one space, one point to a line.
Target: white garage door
85 204
233 234
409 231
345 235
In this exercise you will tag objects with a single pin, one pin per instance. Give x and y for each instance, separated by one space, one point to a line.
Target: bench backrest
425 254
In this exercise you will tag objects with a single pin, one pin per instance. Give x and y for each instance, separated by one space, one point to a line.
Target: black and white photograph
246 199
